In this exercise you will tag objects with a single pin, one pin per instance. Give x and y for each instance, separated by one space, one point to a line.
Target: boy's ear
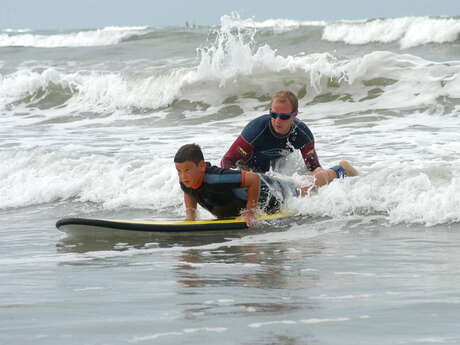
202 165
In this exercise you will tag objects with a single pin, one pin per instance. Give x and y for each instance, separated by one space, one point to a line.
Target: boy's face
191 174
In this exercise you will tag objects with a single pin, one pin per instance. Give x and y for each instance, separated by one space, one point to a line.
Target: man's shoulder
302 129
255 126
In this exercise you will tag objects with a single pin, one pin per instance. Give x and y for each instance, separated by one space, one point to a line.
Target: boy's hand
250 218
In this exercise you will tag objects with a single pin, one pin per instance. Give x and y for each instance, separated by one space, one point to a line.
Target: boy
226 192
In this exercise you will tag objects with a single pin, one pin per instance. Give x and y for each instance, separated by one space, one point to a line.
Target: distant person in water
271 137
228 192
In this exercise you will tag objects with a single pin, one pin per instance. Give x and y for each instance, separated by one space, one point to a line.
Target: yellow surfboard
87 225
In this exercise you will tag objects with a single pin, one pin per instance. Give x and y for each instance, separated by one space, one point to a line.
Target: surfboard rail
74 225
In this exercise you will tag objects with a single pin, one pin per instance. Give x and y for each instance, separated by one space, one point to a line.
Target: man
271 137
228 192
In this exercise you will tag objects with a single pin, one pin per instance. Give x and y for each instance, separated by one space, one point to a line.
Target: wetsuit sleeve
310 157
240 150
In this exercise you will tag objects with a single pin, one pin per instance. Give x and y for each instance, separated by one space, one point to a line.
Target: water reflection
253 280
72 244
257 265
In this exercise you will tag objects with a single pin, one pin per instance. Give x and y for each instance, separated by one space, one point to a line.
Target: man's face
191 174
280 126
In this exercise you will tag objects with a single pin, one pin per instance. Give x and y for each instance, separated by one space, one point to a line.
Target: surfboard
81 226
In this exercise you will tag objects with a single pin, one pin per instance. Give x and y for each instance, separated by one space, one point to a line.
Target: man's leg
323 177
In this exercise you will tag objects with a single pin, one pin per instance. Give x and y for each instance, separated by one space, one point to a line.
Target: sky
62 14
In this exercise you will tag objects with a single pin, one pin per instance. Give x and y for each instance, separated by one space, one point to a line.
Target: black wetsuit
222 194
259 146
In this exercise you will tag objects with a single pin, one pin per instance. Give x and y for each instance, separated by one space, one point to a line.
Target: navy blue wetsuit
222 195
259 146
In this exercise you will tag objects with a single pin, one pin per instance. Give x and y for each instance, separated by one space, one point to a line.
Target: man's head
284 109
190 165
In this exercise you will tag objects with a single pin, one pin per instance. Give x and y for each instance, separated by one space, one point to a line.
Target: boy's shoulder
214 169
215 174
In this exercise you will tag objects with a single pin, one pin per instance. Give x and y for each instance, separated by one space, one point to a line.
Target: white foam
205 329
221 302
294 322
100 37
95 91
278 25
41 175
153 336
25 82
344 297
406 194
233 64
408 31
8 30
183 332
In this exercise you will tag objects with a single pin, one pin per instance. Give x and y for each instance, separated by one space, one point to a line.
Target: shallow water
325 281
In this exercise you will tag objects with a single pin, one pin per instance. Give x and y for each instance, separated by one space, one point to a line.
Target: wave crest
107 36
407 31
234 64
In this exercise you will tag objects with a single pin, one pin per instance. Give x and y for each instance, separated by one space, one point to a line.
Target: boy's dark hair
189 152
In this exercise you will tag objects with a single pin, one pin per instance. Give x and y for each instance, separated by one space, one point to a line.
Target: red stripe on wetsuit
240 150
310 157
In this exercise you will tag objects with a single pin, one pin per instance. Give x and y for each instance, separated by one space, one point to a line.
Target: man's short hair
286 97
189 152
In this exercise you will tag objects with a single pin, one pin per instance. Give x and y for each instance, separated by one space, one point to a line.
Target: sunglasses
281 116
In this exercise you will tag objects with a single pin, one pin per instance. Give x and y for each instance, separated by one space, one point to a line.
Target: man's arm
190 207
310 157
251 181
240 150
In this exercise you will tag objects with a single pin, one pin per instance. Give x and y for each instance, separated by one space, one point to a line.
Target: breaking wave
107 36
407 31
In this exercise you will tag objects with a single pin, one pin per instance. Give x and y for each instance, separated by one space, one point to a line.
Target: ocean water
91 119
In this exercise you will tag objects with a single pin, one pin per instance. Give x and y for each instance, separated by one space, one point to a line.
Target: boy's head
190 165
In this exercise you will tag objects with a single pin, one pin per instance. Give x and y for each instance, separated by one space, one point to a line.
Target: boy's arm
190 207
251 181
